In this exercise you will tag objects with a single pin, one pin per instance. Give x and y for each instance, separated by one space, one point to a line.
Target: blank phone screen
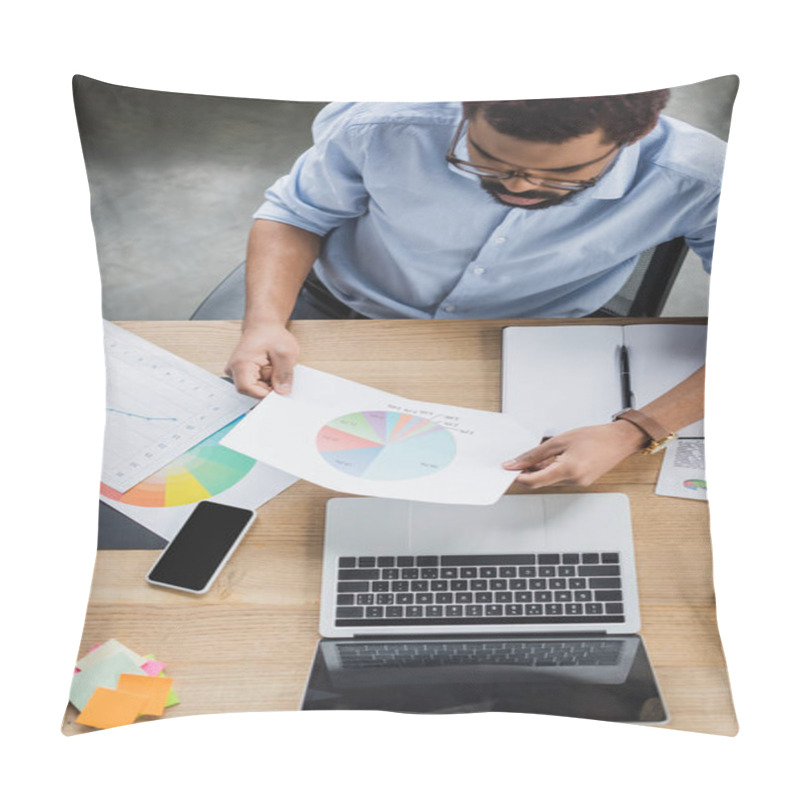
193 556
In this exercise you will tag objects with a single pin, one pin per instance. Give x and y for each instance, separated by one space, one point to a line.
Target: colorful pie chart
695 484
385 445
205 470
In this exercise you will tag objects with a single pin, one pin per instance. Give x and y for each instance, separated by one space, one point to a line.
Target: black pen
625 376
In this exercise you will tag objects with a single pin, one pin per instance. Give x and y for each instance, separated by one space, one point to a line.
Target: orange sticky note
153 689
110 708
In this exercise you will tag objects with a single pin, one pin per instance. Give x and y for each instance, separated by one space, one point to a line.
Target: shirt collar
611 186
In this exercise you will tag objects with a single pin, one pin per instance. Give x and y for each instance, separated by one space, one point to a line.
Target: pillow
599 212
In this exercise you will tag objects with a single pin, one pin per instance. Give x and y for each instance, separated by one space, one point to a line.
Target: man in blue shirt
482 210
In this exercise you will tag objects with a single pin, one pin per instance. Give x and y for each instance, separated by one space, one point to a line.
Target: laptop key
610 558
594 608
346 561
454 611
583 596
554 609
439 586
449 572
465 598
534 610
600 569
606 595
345 599
420 586
374 612
365 599
508 572
404 599
394 611
427 561
571 558
352 586
413 611
434 611
613 608
366 561
359 574
494 610
350 612
605 583
385 561
549 558
590 558
503 597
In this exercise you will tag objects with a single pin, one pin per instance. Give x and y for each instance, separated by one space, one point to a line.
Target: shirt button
499 239
478 271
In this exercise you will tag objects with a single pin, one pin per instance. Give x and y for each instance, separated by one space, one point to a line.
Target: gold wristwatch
657 433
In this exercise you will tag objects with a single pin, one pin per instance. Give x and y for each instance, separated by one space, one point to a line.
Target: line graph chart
158 405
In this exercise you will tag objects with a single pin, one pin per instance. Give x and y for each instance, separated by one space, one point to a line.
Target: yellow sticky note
155 690
110 708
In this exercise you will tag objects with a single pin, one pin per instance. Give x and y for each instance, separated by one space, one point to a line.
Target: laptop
529 605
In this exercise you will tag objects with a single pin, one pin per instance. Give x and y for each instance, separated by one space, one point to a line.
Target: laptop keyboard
542 588
577 653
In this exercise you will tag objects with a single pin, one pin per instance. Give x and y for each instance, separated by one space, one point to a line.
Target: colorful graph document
356 439
683 470
163 501
158 405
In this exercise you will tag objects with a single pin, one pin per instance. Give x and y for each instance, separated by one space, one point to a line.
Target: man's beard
548 199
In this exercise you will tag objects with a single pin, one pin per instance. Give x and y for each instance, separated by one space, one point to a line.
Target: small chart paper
158 405
353 438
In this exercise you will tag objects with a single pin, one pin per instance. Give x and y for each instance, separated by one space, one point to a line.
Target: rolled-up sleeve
325 186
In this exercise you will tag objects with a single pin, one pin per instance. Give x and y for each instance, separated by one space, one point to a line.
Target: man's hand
263 360
578 457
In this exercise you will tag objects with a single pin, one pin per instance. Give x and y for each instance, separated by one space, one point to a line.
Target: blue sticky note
103 673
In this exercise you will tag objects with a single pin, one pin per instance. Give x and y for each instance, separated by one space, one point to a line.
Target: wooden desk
248 644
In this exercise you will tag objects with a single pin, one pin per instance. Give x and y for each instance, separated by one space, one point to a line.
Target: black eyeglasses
504 175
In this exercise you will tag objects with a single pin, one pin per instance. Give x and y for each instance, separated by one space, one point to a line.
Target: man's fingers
280 369
248 380
555 473
536 456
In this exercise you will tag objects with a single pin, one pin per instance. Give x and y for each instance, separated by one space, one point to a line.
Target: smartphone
201 548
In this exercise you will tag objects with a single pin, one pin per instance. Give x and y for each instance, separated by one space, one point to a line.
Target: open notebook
559 377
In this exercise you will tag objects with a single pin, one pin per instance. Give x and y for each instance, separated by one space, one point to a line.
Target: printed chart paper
683 470
157 406
352 438
208 471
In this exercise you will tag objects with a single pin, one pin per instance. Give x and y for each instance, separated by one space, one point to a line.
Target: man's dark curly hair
623 117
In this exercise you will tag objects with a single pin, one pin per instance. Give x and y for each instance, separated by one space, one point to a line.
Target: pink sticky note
153 668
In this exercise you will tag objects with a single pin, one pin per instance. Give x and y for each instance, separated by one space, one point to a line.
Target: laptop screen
603 677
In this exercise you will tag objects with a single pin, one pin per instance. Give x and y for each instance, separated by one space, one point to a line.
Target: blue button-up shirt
408 235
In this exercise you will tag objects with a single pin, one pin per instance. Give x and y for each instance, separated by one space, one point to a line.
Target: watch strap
654 430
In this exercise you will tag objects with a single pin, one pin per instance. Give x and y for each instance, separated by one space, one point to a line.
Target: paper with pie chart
356 439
